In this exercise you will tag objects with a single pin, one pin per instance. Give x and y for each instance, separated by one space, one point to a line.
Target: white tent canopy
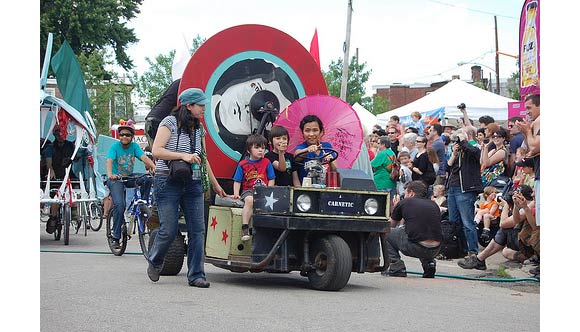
367 119
479 102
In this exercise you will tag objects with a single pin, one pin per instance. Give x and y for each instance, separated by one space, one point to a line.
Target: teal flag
69 78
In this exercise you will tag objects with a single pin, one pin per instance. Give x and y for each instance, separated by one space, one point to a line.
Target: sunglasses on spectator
125 135
421 141
392 132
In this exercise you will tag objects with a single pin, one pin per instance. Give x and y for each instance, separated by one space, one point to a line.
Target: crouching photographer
463 186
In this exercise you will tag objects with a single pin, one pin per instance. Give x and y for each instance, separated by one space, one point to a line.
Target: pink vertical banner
516 108
530 48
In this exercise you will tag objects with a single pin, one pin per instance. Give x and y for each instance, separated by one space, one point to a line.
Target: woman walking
180 137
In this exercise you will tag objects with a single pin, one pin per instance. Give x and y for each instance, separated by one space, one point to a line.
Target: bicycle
138 210
64 215
90 215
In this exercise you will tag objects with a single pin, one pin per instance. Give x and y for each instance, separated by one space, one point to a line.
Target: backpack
451 244
396 171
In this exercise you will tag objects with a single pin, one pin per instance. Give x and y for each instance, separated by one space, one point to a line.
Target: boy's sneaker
115 244
245 234
472 262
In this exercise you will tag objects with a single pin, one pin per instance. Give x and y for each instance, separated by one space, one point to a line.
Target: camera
486 140
498 197
456 139
461 106
508 198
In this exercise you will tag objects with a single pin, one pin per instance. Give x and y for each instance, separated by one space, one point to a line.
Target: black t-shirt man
422 218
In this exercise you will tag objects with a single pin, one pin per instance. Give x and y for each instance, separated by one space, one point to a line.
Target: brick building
402 94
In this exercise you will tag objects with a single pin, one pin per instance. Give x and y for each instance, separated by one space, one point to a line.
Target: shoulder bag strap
177 144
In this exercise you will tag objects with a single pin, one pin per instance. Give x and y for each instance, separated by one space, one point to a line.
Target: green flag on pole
69 78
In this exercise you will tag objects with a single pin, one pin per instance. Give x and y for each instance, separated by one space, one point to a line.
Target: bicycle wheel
58 230
143 229
95 216
117 251
66 223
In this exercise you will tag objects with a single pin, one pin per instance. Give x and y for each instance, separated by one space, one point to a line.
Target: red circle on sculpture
243 38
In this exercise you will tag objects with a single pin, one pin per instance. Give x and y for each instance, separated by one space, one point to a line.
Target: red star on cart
225 236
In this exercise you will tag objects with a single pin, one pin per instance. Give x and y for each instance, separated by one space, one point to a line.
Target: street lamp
461 63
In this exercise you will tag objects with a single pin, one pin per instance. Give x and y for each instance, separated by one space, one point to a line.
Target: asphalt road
84 290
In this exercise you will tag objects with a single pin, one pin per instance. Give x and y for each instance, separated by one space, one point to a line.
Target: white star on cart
270 200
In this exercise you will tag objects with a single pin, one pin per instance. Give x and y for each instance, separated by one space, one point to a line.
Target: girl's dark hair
185 120
311 118
257 140
278 131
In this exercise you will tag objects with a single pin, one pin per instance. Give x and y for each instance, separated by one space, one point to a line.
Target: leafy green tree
151 85
514 93
380 105
106 95
357 77
89 26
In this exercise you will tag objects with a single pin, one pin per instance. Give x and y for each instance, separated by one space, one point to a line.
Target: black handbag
179 169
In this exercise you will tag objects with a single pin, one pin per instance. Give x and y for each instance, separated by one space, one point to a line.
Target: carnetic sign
530 48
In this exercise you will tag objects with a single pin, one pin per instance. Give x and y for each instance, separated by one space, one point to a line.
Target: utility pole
496 57
345 48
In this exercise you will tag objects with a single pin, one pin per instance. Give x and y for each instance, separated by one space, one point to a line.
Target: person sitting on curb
506 238
419 232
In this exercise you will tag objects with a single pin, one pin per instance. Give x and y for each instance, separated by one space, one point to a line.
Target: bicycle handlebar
126 178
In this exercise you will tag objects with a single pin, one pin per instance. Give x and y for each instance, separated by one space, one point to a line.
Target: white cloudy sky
401 41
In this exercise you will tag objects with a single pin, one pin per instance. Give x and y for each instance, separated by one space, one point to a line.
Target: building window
120 106
50 91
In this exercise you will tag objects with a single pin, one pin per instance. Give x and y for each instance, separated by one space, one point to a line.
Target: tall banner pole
346 47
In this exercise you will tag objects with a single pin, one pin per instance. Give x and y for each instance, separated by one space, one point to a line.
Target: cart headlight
304 203
371 206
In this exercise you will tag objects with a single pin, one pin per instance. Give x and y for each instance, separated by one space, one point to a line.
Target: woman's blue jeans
170 195
461 208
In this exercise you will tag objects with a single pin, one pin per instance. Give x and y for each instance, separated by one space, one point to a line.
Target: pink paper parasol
342 127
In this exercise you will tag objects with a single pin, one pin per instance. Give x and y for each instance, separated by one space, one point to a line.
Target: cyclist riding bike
120 162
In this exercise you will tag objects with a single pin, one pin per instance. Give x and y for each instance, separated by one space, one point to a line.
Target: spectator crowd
485 178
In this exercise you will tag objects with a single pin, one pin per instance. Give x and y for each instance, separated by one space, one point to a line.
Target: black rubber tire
333 260
143 229
173 262
66 223
58 230
95 216
122 241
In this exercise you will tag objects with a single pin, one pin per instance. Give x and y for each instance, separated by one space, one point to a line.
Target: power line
450 69
474 10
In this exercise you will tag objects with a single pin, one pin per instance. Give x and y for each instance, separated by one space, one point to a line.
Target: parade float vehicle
257 77
325 233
